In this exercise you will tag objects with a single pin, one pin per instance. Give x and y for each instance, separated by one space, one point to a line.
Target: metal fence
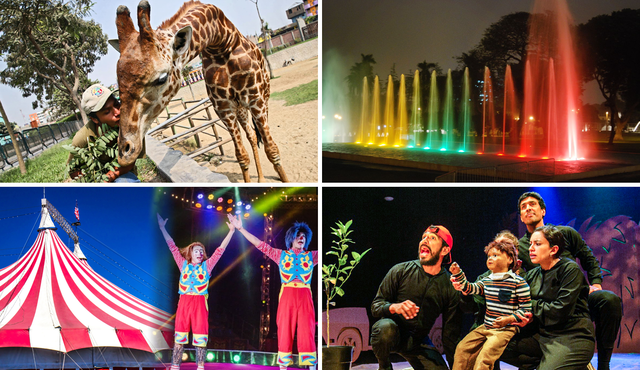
538 170
34 141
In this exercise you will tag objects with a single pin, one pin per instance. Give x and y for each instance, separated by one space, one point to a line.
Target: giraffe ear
115 43
182 40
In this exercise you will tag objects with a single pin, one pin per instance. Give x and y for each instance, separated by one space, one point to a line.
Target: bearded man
409 300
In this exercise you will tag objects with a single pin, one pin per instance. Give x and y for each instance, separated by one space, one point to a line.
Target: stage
619 361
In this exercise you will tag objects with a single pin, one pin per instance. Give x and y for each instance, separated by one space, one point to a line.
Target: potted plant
334 275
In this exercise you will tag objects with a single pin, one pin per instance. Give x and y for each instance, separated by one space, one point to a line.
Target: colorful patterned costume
296 304
193 312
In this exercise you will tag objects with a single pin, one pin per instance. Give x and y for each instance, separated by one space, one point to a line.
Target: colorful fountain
542 125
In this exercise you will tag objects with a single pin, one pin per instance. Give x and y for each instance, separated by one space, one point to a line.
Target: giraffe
149 75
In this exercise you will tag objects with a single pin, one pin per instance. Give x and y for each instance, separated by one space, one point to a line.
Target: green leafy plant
99 157
336 274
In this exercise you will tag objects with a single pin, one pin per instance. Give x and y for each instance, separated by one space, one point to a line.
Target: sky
241 12
409 32
118 232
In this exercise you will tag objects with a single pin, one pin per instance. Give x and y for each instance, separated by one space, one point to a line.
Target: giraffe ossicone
149 76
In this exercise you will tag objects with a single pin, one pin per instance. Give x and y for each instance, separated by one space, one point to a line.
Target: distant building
296 12
310 7
34 119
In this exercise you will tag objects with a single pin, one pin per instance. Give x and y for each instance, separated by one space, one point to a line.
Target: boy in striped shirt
507 296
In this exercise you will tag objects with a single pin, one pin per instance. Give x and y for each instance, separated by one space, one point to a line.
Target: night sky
409 32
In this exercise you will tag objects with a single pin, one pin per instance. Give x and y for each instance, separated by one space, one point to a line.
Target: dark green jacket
575 247
433 294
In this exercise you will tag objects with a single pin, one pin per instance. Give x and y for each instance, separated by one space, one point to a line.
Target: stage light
247 207
230 201
239 203
229 210
209 206
265 215
198 205
210 197
185 356
238 212
200 196
220 200
210 356
219 208
246 215
236 359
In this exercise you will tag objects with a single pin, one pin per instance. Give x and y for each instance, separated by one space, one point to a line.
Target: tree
47 45
62 103
610 57
263 28
358 72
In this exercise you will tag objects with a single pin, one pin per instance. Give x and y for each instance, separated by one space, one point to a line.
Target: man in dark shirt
605 307
409 300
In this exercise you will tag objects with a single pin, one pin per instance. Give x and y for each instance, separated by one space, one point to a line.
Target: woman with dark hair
559 293
295 308
193 312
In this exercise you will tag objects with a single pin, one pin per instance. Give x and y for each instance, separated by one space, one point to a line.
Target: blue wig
293 231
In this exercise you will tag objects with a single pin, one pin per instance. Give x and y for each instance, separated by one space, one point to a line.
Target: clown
295 308
193 312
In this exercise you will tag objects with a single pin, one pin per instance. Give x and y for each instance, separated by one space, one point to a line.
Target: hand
112 176
161 221
454 268
524 320
503 321
594 287
235 221
407 309
456 285
231 227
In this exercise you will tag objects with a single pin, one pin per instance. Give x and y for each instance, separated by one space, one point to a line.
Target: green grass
299 94
50 166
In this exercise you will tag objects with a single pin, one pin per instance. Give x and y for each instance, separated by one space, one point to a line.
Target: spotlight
230 201
229 210
239 203
185 356
209 206
210 356
248 207
236 359
220 200
198 205
246 215
210 197
200 196
219 208
238 212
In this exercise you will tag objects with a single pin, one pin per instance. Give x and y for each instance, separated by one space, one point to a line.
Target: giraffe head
149 75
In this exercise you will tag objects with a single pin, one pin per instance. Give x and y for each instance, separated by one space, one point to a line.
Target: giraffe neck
211 31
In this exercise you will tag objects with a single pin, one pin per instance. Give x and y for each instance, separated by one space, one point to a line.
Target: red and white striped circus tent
55 310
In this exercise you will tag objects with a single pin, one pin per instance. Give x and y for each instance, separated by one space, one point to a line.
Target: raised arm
172 246
461 283
272 253
236 222
211 262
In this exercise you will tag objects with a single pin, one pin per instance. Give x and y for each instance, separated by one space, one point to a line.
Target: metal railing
199 118
34 141
529 171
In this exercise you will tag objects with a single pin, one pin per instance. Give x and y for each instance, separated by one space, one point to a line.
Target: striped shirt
506 294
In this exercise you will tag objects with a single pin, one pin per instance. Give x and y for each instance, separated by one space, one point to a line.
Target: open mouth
425 251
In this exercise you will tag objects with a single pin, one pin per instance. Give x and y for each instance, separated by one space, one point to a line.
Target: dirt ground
294 129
